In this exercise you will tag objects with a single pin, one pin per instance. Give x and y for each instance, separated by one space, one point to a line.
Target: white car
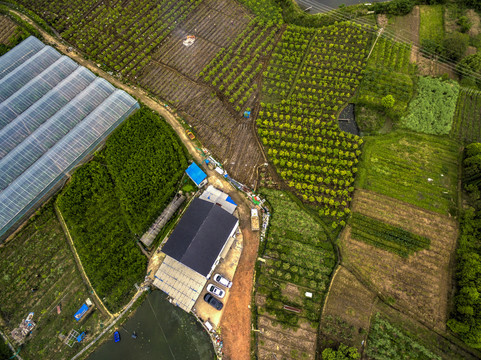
222 280
214 290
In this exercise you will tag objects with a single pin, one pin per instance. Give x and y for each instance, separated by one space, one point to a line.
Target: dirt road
236 321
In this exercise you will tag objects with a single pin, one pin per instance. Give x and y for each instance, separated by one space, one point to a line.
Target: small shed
81 312
196 174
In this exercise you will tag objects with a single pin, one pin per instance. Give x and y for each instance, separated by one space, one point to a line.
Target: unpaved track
236 321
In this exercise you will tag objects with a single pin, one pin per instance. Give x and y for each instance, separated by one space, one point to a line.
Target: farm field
7 29
347 312
39 257
235 72
112 200
121 36
418 285
313 73
467 117
388 342
416 168
298 257
174 76
388 72
431 23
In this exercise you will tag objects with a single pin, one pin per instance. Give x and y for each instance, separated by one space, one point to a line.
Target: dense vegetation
117 196
385 236
38 272
432 110
102 238
466 317
387 342
297 251
234 71
388 73
267 9
416 168
311 75
342 353
146 161
467 118
120 36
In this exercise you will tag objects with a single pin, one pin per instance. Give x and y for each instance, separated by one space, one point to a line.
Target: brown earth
419 285
7 28
475 20
351 302
236 321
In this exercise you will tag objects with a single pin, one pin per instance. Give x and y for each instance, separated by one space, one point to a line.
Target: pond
163 332
347 120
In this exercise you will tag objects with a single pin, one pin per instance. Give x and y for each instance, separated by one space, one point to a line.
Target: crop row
385 236
467 118
393 56
234 71
119 36
296 252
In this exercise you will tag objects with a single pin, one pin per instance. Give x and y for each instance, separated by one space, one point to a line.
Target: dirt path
236 321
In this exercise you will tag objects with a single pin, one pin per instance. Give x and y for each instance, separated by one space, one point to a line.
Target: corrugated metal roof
181 283
196 173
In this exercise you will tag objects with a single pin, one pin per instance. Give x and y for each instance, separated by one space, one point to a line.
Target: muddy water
163 332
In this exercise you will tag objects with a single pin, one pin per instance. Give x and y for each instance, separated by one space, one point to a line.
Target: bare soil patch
406 27
347 311
7 29
236 320
473 17
173 75
419 285
277 342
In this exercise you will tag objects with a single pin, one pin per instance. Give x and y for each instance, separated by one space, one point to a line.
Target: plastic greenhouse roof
53 112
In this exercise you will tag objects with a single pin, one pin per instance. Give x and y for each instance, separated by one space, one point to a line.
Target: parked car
222 280
190 135
214 290
212 301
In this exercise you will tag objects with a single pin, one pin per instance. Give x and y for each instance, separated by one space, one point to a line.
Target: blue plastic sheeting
81 312
229 199
81 337
53 113
196 174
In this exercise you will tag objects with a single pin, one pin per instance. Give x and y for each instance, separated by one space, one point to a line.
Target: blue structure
229 199
81 337
81 312
247 114
196 174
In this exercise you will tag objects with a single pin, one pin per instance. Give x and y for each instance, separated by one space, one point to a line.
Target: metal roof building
193 251
53 113
196 174
215 196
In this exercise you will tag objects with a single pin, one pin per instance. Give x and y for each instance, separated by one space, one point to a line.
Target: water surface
163 332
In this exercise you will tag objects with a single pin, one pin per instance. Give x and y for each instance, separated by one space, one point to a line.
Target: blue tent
81 312
81 337
196 174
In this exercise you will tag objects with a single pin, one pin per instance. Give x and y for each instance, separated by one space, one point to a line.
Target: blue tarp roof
229 199
196 173
81 312
81 337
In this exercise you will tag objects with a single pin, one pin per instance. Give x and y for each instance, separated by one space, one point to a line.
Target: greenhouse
53 113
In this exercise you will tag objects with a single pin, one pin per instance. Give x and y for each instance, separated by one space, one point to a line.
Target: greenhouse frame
53 113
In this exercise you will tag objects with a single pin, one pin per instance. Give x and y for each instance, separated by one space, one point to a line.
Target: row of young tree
465 320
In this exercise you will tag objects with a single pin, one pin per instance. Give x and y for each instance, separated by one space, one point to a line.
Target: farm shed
53 113
196 174
194 249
